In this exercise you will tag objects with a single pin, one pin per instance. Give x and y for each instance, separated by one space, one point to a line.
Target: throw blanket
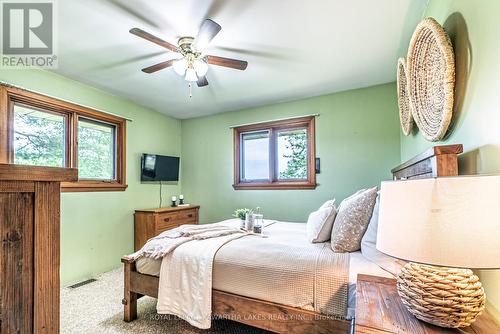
161 245
185 288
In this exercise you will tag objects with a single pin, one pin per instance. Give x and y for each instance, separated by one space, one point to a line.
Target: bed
269 303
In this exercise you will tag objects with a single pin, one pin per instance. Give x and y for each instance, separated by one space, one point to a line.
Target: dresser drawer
166 220
164 227
186 217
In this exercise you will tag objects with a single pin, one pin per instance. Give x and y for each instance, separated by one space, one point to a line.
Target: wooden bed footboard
258 313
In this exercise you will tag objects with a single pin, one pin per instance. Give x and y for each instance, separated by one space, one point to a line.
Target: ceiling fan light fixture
180 66
191 75
189 60
201 67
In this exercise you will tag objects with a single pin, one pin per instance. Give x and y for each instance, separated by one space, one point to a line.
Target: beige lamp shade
451 221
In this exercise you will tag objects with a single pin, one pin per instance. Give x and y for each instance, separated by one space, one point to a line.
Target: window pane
38 137
255 156
292 154
96 150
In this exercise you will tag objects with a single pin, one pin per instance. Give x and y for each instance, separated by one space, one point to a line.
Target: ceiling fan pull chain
190 90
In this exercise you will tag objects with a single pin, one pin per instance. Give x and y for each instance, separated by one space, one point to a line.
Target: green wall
97 227
474 29
357 140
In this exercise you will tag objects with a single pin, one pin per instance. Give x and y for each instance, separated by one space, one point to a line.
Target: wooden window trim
310 183
10 95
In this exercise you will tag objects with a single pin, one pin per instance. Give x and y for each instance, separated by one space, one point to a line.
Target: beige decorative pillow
353 216
320 222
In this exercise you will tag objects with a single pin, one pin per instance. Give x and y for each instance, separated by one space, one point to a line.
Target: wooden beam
46 257
11 172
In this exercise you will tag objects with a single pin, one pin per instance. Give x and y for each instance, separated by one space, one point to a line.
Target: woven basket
445 297
405 115
431 79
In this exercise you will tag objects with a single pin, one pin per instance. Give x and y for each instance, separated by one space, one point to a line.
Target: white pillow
327 204
320 222
369 250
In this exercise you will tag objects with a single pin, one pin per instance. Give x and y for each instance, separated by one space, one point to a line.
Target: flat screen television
156 167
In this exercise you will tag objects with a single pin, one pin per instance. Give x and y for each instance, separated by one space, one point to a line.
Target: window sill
92 186
274 186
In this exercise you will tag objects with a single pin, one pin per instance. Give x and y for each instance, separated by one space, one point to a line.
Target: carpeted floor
96 308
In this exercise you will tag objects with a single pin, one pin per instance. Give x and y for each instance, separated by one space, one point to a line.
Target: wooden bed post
129 300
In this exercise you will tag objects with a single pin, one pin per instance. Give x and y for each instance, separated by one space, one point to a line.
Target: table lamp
444 226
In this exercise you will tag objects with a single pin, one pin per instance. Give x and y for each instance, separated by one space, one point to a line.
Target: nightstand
379 310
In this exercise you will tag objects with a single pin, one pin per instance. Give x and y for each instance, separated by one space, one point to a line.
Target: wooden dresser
29 255
380 310
151 222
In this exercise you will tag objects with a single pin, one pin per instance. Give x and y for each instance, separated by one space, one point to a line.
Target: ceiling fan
192 63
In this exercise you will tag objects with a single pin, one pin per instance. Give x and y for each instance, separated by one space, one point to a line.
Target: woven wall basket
446 297
431 79
405 114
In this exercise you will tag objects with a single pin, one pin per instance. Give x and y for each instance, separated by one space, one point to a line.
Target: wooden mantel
11 172
30 252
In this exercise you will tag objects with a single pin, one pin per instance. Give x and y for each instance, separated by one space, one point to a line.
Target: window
275 155
42 131
39 137
255 156
292 154
96 150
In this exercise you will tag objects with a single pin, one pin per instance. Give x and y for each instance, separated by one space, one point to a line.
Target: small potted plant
241 214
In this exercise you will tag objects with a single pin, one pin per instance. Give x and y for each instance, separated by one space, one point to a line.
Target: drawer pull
190 215
166 220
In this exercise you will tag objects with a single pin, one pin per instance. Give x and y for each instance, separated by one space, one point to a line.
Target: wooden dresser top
168 209
379 310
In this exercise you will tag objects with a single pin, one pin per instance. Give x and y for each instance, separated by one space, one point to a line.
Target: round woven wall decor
405 115
431 79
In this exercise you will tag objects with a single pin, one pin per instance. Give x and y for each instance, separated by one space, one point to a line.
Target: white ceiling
295 48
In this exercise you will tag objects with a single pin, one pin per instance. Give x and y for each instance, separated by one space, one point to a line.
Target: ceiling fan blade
227 62
202 81
208 30
147 36
159 66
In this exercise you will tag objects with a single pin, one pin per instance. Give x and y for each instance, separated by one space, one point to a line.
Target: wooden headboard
436 161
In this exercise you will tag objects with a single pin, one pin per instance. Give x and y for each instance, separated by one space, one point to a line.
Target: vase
249 222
